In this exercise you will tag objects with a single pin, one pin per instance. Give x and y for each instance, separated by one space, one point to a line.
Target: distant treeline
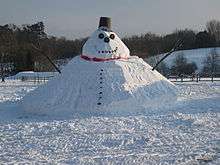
151 44
18 44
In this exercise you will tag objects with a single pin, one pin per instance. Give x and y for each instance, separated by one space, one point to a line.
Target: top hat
105 22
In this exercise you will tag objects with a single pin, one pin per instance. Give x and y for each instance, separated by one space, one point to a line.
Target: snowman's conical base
99 87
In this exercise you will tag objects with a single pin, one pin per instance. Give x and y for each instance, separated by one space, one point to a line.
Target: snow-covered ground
32 75
186 132
195 55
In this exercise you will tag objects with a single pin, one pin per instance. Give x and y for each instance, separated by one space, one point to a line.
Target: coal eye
106 39
101 36
112 36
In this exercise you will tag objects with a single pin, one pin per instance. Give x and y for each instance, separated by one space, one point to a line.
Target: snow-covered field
186 132
195 55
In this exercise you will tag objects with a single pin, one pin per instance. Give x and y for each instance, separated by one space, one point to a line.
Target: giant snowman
103 79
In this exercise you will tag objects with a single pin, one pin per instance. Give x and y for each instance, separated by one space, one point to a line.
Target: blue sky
79 18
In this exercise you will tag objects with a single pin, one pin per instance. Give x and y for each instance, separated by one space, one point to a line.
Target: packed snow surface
116 86
186 132
31 74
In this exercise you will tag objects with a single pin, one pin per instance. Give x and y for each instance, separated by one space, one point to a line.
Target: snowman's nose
106 39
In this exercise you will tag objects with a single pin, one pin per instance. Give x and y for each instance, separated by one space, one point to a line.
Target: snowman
103 79
104 44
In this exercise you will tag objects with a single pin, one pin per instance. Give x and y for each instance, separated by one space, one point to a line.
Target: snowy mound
104 79
101 87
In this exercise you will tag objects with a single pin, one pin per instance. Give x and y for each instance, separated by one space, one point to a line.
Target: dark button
112 36
101 35
106 39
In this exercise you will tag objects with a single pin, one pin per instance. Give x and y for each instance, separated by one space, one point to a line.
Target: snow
195 55
32 74
185 132
109 112
116 83
96 47
126 87
14 90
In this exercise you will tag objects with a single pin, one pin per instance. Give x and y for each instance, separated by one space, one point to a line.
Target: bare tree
213 27
2 67
182 67
8 45
211 64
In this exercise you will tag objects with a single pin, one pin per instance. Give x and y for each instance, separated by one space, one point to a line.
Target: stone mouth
107 51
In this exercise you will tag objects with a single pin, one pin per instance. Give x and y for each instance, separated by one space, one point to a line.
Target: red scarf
96 59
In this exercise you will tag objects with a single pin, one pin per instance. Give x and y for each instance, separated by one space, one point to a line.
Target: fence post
181 78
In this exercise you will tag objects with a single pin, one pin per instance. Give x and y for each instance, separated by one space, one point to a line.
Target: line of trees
151 44
16 49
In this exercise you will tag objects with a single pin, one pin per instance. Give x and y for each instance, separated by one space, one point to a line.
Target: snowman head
104 43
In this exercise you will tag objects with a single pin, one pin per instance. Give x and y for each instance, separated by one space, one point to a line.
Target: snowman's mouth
108 51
